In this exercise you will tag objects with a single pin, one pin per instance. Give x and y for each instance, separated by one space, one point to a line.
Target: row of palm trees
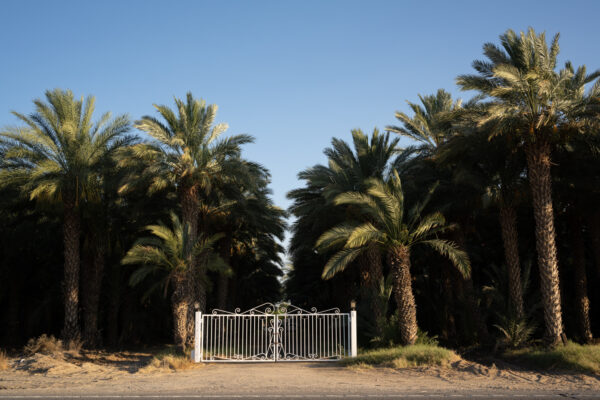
497 149
480 183
92 169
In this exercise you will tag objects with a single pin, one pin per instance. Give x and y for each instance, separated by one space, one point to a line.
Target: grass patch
170 358
572 357
3 360
404 357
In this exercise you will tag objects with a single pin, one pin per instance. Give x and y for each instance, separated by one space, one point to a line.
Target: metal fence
270 333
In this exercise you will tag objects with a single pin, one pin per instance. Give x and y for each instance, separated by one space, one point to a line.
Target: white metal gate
270 333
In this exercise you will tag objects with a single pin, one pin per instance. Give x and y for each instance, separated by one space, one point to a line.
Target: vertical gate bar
224 335
236 349
340 329
227 336
276 347
319 337
206 344
221 335
344 336
330 334
234 322
215 323
312 339
335 347
337 331
304 337
209 346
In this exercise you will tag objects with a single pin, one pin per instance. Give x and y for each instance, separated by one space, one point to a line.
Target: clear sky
291 73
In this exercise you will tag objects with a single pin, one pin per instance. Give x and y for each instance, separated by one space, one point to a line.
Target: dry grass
51 346
3 361
48 345
404 357
169 359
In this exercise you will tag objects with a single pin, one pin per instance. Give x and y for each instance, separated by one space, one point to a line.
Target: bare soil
129 373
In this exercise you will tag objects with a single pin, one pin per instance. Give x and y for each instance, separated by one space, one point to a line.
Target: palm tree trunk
91 298
510 239
399 261
371 276
194 287
180 306
71 234
581 297
538 169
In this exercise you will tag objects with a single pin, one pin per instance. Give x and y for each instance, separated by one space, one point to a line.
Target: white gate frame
273 315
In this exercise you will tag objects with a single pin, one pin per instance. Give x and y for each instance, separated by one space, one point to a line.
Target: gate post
353 321
197 353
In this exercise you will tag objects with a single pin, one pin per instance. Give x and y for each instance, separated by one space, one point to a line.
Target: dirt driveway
45 376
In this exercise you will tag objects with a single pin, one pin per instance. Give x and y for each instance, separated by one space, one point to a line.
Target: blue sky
291 73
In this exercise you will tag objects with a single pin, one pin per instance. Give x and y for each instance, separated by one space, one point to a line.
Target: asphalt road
409 396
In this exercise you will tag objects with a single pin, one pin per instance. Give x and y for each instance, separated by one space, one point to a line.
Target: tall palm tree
395 231
188 157
349 167
54 157
169 253
534 106
432 126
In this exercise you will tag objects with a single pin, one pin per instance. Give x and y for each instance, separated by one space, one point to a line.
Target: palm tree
55 157
429 125
395 231
349 168
187 157
432 126
170 254
534 106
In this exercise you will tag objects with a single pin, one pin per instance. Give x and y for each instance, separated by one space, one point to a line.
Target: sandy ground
126 373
